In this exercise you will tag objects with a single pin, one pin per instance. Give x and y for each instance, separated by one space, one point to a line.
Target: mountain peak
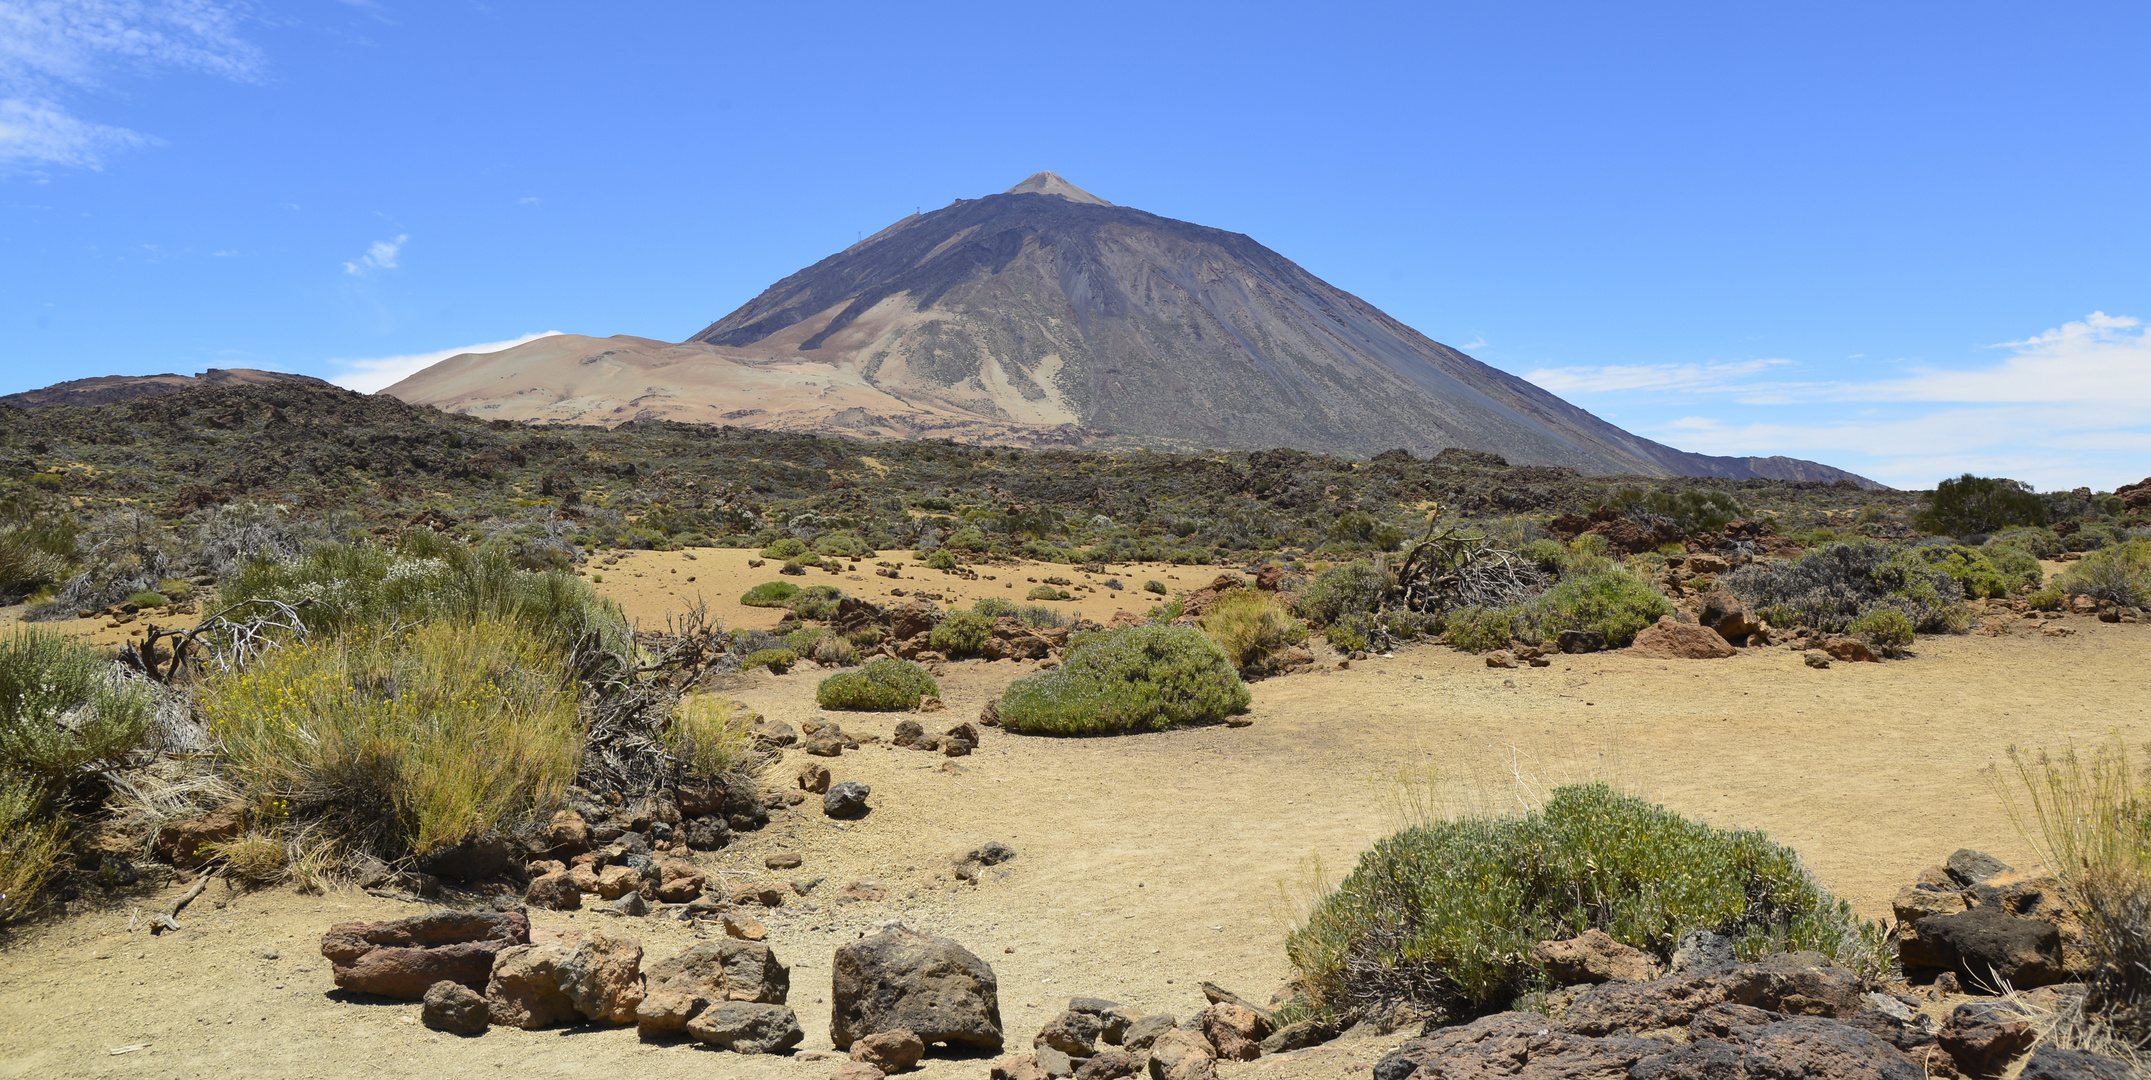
1051 183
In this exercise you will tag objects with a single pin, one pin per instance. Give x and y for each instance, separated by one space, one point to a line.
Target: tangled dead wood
222 639
629 700
1448 569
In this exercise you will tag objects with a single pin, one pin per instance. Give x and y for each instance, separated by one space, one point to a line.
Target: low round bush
885 684
1477 629
803 640
1135 678
1614 603
770 594
1253 628
961 633
939 559
778 661
994 607
2118 575
1154 586
1342 590
1444 914
843 542
791 547
149 598
1885 626
1046 592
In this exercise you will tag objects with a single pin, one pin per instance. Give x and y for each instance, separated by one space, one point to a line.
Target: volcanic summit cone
1047 315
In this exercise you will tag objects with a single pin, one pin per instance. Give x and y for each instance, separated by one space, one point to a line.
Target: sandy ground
1146 863
649 585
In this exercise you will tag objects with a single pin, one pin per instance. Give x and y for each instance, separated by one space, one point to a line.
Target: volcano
1046 315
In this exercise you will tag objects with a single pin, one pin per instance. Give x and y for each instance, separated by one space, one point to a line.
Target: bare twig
168 919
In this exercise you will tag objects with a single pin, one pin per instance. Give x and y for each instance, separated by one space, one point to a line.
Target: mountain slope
106 389
1047 309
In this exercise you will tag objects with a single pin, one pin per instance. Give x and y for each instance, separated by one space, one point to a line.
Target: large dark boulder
1988 943
900 978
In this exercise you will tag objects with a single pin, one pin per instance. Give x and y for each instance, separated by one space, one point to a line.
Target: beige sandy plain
1147 863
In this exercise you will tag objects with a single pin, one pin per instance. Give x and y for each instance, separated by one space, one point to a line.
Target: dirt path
1149 863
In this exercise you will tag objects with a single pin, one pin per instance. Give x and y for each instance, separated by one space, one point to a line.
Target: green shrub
1829 587
1992 572
816 602
1885 626
711 737
1979 504
961 633
843 543
994 607
2050 598
1350 633
1254 628
1356 586
1477 629
1546 554
803 640
885 684
352 587
1041 618
1133 678
968 538
2041 542
939 559
179 591
835 650
149 598
770 594
778 661
2116 575
404 743
791 547
32 843
1444 914
1046 592
64 713
1154 586
1615 603
63 710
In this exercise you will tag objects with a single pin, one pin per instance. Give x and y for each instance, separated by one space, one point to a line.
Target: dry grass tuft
2088 815
404 744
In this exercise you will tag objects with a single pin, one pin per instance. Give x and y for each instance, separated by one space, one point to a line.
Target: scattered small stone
630 904
454 1008
758 892
783 860
744 928
889 1051
846 800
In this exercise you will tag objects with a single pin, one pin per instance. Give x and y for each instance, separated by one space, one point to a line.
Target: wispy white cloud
380 255
2065 407
371 376
1737 375
51 50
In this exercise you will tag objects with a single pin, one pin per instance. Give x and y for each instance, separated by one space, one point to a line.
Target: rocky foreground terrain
1143 868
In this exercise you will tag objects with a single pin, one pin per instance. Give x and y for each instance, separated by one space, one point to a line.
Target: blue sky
1910 240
